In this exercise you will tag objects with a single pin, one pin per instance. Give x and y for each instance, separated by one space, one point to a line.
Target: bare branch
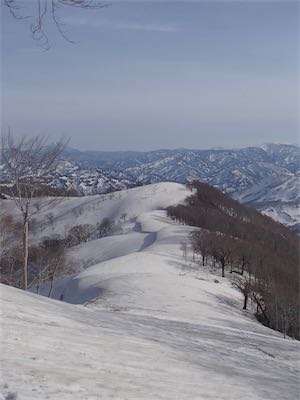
48 9
27 162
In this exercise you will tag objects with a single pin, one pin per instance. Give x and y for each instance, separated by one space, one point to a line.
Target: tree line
261 255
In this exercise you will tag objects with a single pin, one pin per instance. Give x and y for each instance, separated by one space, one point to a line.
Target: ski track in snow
144 323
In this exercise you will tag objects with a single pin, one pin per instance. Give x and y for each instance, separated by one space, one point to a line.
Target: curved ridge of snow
143 323
131 202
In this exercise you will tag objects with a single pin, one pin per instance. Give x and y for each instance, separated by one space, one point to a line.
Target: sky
150 75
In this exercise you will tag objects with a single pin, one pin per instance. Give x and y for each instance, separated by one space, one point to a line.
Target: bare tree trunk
223 269
25 253
276 316
261 309
284 324
245 301
52 282
11 273
39 284
53 277
243 266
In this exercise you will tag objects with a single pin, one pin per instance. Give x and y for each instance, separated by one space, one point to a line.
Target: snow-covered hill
139 320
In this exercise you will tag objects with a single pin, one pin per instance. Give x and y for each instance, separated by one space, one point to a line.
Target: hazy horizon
180 148
157 75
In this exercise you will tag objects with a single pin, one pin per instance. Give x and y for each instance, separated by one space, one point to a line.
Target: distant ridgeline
261 254
6 191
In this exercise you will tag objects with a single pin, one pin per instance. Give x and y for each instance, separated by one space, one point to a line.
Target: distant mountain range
265 177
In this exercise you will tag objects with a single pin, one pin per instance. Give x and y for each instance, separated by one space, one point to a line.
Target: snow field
143 323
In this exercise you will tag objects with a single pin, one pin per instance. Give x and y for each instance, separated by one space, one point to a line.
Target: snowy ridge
144 322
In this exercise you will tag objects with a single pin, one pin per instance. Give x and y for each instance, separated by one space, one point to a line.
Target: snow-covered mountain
139 319
69 175
265 177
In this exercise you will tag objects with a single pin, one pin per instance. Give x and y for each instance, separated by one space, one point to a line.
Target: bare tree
48 262
221 250
10 250
27 162
201 244
123 216
184 248
104 227
10 265
244 284
79 233
39 11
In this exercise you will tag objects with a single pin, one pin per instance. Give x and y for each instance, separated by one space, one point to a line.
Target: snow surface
278 200
141 322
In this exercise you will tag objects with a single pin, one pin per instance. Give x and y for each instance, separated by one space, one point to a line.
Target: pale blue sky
148 75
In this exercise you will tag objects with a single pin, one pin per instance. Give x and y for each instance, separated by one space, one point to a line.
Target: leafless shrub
104 227
79 233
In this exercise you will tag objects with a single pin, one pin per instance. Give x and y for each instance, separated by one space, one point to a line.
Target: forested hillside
262 254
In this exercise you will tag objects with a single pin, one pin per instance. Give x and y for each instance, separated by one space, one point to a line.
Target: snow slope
54 350
143 323
277 198
130 203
